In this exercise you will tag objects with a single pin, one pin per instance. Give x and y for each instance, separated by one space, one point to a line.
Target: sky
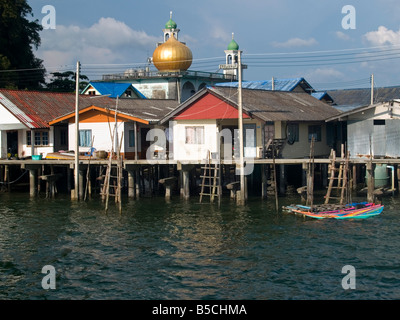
330 45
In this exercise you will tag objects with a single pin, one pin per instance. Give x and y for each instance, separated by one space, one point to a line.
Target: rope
16 179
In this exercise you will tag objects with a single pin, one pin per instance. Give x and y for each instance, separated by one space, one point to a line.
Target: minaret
171 29
232 58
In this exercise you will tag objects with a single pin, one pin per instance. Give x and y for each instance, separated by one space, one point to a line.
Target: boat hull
351 212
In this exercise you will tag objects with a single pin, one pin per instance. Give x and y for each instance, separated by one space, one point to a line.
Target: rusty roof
36 109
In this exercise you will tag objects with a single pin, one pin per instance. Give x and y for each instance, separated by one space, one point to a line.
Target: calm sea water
183 250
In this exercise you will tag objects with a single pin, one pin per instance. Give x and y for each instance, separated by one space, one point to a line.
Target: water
184 250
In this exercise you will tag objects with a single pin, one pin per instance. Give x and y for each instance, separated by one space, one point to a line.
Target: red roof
36 109
209 107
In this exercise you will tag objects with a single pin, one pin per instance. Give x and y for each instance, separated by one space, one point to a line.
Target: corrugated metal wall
393 138
384 138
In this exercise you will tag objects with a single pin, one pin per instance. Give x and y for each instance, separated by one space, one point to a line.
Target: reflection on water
185 250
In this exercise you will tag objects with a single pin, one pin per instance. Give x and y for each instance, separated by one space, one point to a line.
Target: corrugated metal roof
349 99
114 89
20 115
147 109
36 109
318 95
269 105
279 84
281 106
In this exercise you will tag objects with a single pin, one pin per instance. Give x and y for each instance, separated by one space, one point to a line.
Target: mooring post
33 182
282 179
354 178
168 183
137 182
131 184
185 184
7 177
185 179
81 188
69 187
370 181
264 182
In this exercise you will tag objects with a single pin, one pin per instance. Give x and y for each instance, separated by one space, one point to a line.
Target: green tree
66 81
18 37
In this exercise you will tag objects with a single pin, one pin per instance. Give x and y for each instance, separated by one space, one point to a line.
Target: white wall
8 121
100 133
183 151
24 150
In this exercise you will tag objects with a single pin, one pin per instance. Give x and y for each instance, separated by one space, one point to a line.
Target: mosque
173 80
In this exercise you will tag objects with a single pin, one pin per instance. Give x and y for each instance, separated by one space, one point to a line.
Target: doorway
12 143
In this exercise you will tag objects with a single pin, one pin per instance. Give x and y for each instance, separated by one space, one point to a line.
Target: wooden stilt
32 182
310 176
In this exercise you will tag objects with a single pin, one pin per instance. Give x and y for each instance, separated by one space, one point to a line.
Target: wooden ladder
113 176
112 182
338 174
211 180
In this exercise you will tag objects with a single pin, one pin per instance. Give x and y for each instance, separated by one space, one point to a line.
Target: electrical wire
258 60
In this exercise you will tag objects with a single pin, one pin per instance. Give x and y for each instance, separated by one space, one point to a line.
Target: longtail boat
351 211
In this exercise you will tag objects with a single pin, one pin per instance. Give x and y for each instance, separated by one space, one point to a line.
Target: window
85 138
41 138
292 133
314 131
28 138
45 138
131 138
194 135
379 122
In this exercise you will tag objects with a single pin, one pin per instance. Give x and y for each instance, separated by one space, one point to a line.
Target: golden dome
172 56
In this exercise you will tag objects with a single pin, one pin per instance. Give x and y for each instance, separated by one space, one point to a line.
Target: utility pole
76 195
372 89
237 64
242 195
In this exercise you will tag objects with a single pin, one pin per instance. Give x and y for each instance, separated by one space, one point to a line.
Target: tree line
19 68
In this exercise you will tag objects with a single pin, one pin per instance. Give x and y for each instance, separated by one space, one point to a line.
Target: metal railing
140 74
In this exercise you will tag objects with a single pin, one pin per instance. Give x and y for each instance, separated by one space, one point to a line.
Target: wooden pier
150 177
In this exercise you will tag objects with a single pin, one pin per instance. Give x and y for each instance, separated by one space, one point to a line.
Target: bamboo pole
88 172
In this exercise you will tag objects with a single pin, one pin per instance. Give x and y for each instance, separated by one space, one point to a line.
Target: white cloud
106 41
324 75
383 36
295 42
342 36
